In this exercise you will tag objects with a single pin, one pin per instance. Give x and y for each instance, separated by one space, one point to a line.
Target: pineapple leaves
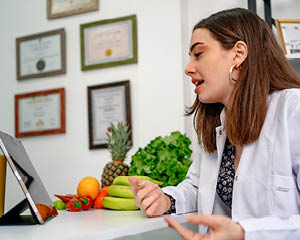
165 159
118 142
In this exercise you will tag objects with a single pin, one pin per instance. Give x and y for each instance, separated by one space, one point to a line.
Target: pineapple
118 144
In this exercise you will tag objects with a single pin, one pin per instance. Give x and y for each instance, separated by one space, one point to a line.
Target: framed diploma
63 8
41 55
289 36
107 103
108 43
40 113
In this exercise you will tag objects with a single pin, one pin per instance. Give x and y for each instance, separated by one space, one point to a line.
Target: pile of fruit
118 196
88 195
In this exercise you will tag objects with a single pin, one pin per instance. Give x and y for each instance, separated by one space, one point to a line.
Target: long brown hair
265 70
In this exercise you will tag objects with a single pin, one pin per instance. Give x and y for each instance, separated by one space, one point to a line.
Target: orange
88 186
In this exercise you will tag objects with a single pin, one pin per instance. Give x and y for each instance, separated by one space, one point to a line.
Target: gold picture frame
63 8
108 43
289 36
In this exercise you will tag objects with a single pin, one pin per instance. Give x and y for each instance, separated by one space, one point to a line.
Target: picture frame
40 113
289 36
107 103
64 8
41 55
108 43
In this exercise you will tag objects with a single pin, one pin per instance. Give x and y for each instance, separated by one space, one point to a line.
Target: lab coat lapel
209 174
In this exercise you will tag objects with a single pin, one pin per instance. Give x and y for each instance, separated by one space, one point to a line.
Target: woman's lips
198 84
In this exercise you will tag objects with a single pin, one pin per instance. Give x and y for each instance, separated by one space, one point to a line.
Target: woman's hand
221 228
149 197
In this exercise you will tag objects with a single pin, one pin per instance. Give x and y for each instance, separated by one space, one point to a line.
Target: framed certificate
108 43
40 113
63 8
41 55
289 36
107 103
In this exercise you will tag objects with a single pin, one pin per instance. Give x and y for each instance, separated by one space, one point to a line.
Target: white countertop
94 224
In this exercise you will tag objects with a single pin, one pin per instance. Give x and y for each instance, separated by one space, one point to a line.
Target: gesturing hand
221 228
149 197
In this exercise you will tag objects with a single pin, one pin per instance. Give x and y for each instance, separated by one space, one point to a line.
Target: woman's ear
241 52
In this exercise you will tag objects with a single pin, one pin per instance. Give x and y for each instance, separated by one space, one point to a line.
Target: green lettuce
165 159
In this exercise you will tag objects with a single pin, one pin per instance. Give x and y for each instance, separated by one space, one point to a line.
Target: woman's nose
189 69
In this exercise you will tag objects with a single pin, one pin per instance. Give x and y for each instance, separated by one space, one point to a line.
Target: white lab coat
266 195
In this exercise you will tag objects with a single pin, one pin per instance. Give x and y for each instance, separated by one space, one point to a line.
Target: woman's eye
197 54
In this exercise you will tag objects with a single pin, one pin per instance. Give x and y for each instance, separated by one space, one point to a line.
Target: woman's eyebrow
193 46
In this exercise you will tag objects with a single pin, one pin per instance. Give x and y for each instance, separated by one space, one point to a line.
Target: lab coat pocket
284 195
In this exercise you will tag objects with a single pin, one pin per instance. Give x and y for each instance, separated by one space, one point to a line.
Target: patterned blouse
226 174
225 178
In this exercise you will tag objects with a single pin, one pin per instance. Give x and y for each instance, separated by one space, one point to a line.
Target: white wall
156 84
159 89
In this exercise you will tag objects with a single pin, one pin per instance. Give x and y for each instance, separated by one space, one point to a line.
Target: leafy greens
165 159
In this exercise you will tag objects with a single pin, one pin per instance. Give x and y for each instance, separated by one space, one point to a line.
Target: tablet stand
13 216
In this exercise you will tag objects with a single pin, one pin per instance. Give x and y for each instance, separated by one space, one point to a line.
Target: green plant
165 159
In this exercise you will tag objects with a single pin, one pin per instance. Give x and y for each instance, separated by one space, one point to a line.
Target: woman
247 117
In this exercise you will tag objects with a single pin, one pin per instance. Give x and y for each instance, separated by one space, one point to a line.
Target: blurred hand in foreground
149 197
221 227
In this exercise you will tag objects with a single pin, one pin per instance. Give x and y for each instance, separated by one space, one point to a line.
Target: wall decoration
107 103
41 55
108 43
40 113
63 8
289 36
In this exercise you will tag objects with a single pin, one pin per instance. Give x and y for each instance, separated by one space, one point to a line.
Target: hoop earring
230 73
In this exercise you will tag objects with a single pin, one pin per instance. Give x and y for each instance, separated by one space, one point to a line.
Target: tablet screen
27 178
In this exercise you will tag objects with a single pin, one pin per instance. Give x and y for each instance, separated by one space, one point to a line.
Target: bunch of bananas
120 196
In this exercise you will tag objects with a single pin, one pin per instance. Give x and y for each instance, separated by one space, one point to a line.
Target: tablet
37 199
